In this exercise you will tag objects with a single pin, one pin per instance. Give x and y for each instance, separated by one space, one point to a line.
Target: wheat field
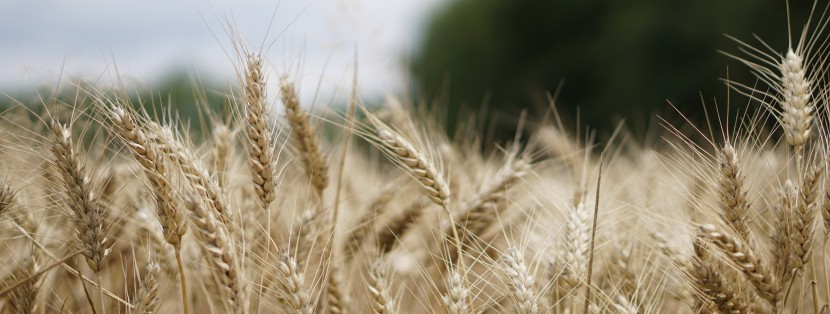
271 208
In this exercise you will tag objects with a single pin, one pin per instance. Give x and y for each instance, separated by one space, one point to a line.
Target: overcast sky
147 39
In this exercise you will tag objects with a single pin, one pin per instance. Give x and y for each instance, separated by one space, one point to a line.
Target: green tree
617 59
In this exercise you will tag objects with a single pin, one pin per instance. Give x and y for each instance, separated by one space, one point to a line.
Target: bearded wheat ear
148 295
316 168
484 209
24 298
337 296
222 257
291 291
577 246
168 210
733 199
782 251
193 170
260 143
425 172
222 144
366 223
86 213
796 115
379 290
805 217
745 259
712 288
520 282
393 230
456 299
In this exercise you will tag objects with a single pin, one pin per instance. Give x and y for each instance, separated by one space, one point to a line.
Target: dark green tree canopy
617 59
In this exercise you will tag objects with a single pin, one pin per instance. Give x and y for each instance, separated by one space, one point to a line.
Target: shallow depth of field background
614 60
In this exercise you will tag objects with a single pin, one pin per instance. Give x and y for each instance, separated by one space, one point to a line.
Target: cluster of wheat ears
108 208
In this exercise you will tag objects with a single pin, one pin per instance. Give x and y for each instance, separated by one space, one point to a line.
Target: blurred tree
617 59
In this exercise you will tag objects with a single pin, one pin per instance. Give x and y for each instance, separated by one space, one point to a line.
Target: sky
313 41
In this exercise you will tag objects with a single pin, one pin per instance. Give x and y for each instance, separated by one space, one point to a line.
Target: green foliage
178 93
617 59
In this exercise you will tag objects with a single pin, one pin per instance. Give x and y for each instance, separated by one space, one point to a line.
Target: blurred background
609 60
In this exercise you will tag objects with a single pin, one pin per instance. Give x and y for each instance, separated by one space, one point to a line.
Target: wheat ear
520 282
301 129
147 155
379 291
337 296
159 251
261 145
481 211
745 259
805 217
222 257
222 143
796 114
86 212
625 306
577 245
456 299
711 285
292 293
733 200
418 166
148 295
427 174
193 171
23 299
783 250
167 206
